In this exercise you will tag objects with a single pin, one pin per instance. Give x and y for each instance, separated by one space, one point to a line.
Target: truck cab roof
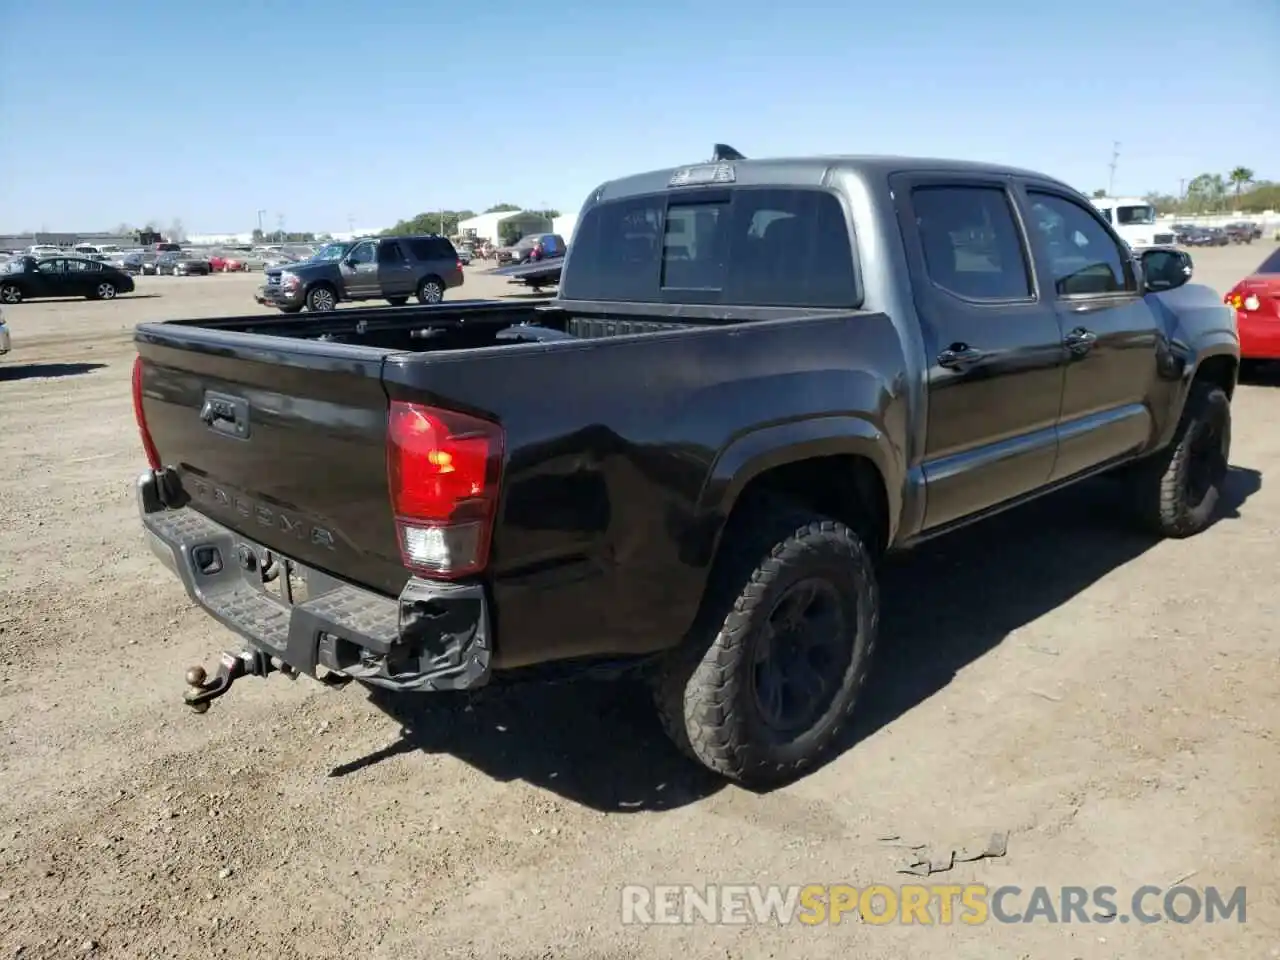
805 171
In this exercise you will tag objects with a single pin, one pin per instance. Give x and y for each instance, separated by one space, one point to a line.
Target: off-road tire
704 689
1165 502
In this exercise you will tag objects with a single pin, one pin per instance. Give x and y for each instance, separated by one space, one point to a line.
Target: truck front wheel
1177 491
321 299
772 670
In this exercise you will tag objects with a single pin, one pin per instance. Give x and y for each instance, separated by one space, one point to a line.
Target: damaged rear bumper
435 636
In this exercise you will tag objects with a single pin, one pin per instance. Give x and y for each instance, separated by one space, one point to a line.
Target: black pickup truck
758 378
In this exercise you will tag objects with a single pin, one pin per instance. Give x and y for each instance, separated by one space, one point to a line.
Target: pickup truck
758 378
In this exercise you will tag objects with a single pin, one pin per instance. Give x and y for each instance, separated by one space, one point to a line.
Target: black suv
378 268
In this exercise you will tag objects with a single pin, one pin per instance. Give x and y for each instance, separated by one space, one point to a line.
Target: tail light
444 470
148 445
1242 301
458 265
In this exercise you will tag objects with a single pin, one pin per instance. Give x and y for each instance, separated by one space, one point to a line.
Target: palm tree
1240 176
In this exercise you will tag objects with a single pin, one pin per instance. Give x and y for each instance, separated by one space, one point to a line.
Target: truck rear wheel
1177 491
772 669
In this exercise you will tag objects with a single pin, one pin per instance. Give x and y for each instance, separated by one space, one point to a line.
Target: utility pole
280 227
1115 156
1182 189
261 214
351 225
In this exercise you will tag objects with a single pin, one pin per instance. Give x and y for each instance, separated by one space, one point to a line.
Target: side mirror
1165 269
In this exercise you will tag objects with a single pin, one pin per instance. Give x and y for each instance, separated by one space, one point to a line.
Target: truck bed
611 432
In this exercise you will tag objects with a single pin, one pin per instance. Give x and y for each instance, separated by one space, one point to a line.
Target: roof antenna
722 153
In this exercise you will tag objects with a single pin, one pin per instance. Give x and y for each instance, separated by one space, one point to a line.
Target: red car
1257 302
225 263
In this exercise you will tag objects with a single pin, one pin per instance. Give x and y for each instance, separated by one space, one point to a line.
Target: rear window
742 246
432 248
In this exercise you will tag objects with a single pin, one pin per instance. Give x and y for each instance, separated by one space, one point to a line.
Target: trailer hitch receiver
231 667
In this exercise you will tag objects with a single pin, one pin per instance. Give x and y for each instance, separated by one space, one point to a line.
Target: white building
565 225
356 234
212 239
493 226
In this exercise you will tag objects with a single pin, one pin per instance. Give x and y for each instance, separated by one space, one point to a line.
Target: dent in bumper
435 636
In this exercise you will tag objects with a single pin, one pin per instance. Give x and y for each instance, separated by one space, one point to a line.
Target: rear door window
743 246
432 248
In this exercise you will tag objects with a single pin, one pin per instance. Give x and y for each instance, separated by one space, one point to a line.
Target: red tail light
444 470
459 263
148 445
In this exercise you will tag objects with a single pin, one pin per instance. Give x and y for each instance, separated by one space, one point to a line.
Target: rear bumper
433 637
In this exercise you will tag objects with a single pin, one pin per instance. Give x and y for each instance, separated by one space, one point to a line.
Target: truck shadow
1266 374
949 602
39 371
944 605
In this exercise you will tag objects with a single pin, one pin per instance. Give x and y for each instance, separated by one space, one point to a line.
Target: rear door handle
1080 339
959 355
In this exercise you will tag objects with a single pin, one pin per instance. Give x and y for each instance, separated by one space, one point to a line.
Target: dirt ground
1109 703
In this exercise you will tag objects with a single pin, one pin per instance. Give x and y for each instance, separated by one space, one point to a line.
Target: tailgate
283 441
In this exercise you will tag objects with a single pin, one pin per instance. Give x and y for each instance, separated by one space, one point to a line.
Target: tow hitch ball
201 691
231 667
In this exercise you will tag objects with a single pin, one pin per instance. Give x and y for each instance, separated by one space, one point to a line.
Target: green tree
503 208
436 221
1099 193
549 214
1240 177
258 235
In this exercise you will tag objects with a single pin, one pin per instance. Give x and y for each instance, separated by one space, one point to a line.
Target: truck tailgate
283 442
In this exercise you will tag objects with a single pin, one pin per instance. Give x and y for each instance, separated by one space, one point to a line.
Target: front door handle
1080 339
959 355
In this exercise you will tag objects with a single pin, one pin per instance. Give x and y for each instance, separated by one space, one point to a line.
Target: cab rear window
742 246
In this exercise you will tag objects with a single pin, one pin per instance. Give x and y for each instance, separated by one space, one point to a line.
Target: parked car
1242 232
1217 237
222 261
143 264
538 246
389 268
1195 236
1256 300
28 279
466 253
689 463
5 343
179 264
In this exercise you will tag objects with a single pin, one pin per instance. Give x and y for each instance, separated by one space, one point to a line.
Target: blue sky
209 111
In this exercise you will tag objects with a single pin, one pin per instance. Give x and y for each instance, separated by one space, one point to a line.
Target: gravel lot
1109 703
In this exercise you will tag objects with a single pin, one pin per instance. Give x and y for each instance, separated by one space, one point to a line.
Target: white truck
1135 220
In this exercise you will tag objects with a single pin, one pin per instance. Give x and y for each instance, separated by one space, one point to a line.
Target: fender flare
750 454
